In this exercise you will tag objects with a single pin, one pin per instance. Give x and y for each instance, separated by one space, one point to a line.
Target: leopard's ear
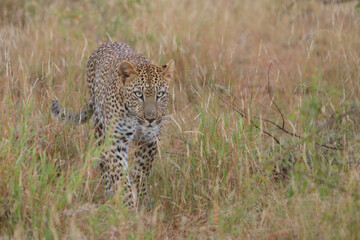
168 70
126 71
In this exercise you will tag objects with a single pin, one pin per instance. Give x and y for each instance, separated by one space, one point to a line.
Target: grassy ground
217 176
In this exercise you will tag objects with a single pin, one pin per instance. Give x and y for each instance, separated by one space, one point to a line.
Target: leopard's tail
79 118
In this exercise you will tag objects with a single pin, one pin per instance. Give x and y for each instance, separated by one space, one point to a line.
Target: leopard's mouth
145 123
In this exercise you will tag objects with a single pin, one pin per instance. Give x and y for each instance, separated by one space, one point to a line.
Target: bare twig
242 113
245 115
282 128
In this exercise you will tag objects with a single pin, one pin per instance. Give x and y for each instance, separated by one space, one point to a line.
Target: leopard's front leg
144 156
114 164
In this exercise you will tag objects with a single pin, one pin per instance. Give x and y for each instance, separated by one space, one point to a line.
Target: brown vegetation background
217 176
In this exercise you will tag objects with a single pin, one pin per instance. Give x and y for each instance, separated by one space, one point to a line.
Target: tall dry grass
216 176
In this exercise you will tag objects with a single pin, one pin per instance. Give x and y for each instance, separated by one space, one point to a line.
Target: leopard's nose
150 111
150 120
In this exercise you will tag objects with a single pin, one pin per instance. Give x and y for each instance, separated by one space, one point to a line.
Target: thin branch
282 128
245 115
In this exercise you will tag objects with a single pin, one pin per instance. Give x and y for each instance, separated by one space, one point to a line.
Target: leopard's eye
160 94
138 94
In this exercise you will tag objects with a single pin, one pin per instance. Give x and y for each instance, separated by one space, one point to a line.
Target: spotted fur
128 98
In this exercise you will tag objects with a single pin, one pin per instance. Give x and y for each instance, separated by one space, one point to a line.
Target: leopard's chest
145 134
128 127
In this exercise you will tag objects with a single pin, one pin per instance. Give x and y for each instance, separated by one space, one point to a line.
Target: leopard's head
146 90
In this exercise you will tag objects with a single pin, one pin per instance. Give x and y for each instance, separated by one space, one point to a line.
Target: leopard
128 97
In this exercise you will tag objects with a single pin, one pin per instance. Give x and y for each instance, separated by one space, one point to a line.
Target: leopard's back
103 60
